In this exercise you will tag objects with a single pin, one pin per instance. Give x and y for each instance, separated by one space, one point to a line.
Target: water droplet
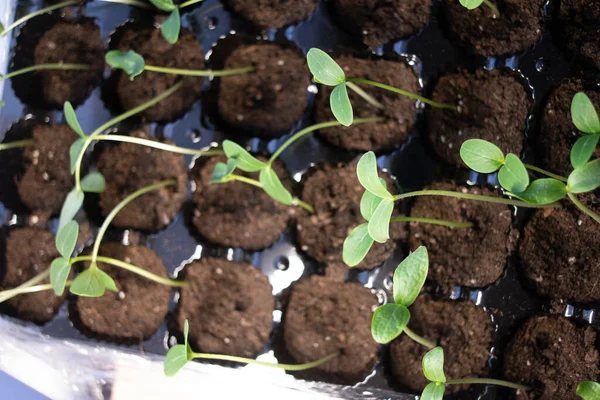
212 22
282 263
387 282
540 65
195 136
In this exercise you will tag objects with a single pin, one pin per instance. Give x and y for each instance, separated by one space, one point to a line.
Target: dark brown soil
558 134
518 28
185 54
236 214
269 101
28 252
139 308
335 193
47 178
323 317
382 21
465 332
229 307
399 110
578 29
273 13
554 353
493 106
128 167
472 257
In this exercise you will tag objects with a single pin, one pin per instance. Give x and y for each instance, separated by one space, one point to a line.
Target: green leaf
245 161
74 152
340 105
72 119
71 207
366 170
585 179
588 390
171 27
357 245
324 68
583 149
389 321
481 156
59 273
165 5
66 240
410 277
513 175
433 391
369 203
379 225
130 62
433 365
175 359
543 191
93 182
584 114
471 4
274 188
222 170
93 282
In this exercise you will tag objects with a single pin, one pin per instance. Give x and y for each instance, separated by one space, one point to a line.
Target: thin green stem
36 13
16 144
475 197
583 208
486 381
304 205
189 3
431 221
10 293
6 294
544 172
287 367
135 3
158 145
419 339
42 67
192 72
403 93
492 7
371 100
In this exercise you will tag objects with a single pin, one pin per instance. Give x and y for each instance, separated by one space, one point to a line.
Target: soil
185 54
28 252
47 178
323 317
578 29
228 305
518 28
236 214
399 110
128 167
382 21
269 101
558 134
335 193
473 257
552 352
139 308
465 332
273 13
493 106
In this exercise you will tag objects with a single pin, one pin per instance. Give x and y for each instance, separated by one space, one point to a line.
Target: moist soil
558 134
553 354
128 167
382 21
139 308
473 257
185 54
578 27
335 193
269 101
399 110
465 332
237 214
492 106
273 13
229 307
324 316
518 28
28 252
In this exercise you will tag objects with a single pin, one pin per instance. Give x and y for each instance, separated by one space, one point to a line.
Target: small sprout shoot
473 4
589 390
172 26
585 118
4 31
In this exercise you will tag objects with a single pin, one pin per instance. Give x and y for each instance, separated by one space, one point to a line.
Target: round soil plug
269 101
473 257
139 308
464 330
399 110
578 24
228 305
128 167
273 13
552 352
323 317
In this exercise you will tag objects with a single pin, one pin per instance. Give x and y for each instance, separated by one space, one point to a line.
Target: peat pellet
578 24
273 13
228 305
492 106
473 257
462 329
554 353
269 101
399 110
139 308
325 316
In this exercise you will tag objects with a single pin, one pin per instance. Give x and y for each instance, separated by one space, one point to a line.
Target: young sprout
585 118
473 4
588 390
179 355
172 25
327 72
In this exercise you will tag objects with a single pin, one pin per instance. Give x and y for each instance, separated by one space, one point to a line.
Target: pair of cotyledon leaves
171 27
178 355
130 62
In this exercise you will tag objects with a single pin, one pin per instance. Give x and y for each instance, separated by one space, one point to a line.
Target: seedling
589 390
473 4
585 118
179 355
172 25
327 72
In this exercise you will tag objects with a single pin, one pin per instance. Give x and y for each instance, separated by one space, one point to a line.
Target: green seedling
473 4
585 118
171 27
327 72
588 390
179 355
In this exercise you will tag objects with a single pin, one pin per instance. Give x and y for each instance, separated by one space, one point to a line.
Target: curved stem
42 67
189 3
254 182
288 367
475 197
135 3
486 381
158 145
492 7
419 339
192 72
583 208
403 93
36 13
544 172
16 144
9 294
371 100
431 221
